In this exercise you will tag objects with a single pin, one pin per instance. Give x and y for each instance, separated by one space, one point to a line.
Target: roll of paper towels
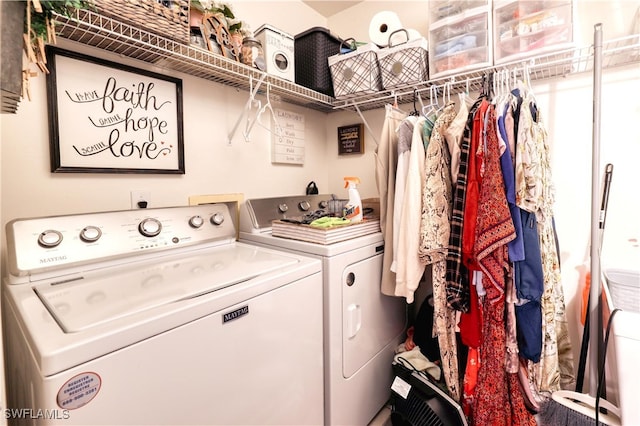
382 25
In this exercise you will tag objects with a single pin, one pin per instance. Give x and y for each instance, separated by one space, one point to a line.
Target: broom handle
595 313
585 332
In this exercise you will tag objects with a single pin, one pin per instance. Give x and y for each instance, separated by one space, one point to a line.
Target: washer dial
217 219
304 206
90 234
49 238
196 221
150 227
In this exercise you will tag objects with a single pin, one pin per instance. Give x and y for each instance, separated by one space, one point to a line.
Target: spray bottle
353 209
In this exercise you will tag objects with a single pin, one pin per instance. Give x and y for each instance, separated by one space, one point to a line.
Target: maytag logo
235 314
53 259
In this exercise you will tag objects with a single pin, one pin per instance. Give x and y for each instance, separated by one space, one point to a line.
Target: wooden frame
351 139
106 117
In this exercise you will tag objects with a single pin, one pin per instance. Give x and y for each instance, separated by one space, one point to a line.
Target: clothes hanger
245 111
277 129
429 108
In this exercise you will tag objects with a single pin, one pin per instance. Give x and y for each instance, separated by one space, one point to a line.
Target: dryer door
370 320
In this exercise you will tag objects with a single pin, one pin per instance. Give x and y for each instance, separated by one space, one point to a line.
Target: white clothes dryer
158 316
362 327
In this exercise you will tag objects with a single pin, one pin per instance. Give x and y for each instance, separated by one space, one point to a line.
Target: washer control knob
323 204
196 221
283 208
90 234
217 219
304 206
150 227
49 238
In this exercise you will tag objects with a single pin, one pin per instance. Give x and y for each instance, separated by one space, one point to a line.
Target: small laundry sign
351 139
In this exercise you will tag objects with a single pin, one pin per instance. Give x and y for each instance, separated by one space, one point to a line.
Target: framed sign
106 117
351 139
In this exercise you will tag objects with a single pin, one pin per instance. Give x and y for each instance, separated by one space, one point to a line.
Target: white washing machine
362 327
156 317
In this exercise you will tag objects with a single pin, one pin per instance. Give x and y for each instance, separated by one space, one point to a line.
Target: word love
149 150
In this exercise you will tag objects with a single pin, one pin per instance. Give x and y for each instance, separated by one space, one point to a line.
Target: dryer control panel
37 245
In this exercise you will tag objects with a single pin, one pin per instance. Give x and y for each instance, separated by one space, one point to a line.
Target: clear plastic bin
526 28
460 43
441 9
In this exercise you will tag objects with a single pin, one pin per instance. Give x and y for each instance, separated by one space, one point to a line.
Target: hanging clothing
529 286
453 134
386 157
474 181
434 240
535 193
409 266
436 196
405 135
505 121
498 399
457 287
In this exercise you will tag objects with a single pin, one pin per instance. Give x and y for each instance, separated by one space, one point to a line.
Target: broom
575 408
585 280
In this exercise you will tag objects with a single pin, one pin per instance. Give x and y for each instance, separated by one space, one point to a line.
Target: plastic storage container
441 9
312 48
356 73
525 28
403 64
278 48
461 42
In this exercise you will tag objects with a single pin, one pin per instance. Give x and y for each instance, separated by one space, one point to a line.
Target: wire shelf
616 52
93 29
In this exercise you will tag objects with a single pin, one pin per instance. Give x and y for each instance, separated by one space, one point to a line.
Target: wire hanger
264 108
429 110
250 102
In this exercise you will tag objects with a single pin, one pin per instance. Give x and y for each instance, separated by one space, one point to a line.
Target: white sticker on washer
401 387
79 390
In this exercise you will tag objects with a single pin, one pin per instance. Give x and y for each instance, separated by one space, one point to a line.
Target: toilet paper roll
382 25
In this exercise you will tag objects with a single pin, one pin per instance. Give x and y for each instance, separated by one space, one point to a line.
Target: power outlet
139 197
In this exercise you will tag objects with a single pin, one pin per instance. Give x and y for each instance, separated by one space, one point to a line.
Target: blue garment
515 246
529 282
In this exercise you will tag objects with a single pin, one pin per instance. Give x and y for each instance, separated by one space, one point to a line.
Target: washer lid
110 294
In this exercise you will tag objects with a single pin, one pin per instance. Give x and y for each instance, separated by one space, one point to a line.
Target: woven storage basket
169 21
404 64
355 73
